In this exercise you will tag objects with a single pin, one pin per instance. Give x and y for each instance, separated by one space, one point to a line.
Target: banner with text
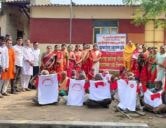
112 50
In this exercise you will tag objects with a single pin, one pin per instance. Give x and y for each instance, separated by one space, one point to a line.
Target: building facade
48 23
52 24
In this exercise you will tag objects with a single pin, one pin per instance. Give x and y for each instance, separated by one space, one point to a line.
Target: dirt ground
21 107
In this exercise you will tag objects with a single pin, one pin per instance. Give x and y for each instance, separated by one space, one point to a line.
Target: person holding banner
95 56
127 54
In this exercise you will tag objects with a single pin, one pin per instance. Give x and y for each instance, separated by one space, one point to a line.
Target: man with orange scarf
127 54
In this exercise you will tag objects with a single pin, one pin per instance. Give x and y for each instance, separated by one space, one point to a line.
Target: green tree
149 10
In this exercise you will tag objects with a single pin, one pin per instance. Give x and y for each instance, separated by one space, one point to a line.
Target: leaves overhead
149 10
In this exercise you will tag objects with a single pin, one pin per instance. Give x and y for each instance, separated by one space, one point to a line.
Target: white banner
111 43
48 89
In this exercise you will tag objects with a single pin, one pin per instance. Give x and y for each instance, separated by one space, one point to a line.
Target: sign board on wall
111 47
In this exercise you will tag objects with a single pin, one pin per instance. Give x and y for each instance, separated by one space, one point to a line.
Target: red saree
71 64
48 61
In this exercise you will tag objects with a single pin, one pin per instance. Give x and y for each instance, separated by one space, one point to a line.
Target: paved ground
20 107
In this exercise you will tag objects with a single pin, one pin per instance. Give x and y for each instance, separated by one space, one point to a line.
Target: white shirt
5 56
27 69
127 93
1 57
76 92
152 102
36 53
18 55
99 93
48 89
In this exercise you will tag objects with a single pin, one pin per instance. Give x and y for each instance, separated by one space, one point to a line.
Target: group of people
143 74
17 64
21 63
66 58
147 64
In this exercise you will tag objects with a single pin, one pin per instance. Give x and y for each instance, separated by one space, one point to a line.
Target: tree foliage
149 10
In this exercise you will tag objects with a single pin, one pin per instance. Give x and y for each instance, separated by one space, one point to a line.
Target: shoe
27 89
14 92
1 96
23 90
18 90
5 94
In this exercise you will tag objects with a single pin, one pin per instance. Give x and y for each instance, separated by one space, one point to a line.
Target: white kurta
48 89
152 102
18 50
99 93
5 57
27 69
127 93
76 92
2 58
36 53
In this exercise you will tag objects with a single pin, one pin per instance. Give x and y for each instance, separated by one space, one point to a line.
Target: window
20 33
105 27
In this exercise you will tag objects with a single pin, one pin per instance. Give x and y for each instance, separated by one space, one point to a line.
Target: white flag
153 99
76 92
127 94
48 89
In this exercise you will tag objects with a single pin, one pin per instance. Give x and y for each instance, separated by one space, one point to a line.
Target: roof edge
79 5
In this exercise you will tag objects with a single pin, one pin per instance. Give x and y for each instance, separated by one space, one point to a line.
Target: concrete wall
83 12
154 36
13 20
3 26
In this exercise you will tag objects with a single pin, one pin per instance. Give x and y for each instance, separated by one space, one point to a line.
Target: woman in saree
134 62
78 55
71 62
142 62
48 60
86 62
152 67
127 54
59 59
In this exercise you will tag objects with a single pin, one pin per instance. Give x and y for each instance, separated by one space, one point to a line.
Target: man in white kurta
18 50
4 60
28 61
36 52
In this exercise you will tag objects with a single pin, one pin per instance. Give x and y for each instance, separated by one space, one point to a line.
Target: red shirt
114 85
